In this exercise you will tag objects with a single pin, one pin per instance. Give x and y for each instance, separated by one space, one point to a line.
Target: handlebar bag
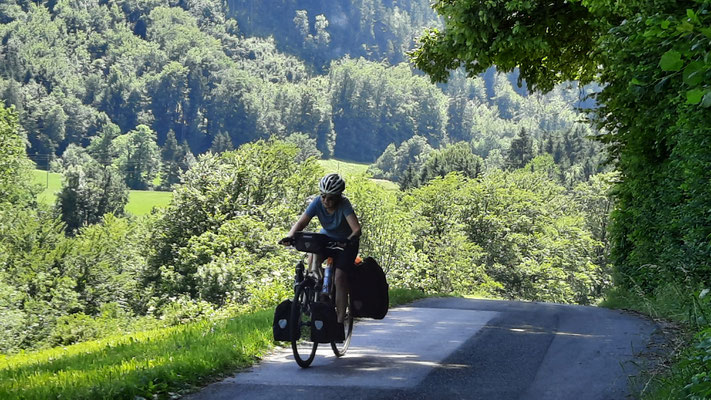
280 325
369 290
310 242
324 322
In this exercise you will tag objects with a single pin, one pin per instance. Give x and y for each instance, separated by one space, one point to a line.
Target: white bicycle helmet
332 184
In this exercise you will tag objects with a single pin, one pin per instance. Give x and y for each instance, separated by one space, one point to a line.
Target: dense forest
77 71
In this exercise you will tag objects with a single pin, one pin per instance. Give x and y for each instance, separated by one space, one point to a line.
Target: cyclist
340 223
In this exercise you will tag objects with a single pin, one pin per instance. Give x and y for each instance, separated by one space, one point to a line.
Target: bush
183 309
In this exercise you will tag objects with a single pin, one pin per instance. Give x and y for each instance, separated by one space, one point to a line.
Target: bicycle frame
308 289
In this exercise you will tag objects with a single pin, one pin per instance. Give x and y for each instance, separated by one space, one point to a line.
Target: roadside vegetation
679 367
512 234
653 60
157 363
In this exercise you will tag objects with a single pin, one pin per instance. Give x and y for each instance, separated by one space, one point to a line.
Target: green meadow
140 202
351 168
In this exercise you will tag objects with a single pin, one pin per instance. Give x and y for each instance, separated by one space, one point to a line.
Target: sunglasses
329 197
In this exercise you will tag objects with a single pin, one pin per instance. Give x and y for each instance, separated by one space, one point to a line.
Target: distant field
140 202
351 168
51 182
343 167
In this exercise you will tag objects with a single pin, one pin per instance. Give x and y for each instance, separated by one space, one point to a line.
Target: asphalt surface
452 348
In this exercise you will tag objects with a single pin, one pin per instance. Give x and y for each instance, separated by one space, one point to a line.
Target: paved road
451 348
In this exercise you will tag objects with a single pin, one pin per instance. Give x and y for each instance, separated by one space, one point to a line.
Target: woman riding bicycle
340 223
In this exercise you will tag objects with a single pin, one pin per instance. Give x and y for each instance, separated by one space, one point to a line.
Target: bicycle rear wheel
339 349
302 346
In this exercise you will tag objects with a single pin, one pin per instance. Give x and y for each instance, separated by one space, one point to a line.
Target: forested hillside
196 80
319 31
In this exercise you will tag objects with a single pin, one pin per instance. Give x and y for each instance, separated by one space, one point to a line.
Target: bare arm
355 226
302 223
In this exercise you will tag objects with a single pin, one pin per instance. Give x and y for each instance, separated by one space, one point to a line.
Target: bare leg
341 282
314 262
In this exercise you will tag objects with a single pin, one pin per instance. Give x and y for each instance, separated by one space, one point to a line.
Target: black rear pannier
280 326
369 290
324 322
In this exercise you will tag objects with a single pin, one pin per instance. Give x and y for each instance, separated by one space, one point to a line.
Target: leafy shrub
183 309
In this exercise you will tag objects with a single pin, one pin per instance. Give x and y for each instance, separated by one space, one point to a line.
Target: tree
101 147
307 146
14 164
221 143
395 161
230 209
137 157
89 190
521 151
457 157
176 159
652 58
516 34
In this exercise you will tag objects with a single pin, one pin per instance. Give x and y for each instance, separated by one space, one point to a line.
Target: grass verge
682 367
162 363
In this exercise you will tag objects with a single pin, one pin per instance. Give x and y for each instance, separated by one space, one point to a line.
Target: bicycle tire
340 349
303 348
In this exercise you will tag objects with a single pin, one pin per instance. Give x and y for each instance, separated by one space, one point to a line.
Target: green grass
51 182
352 168
140 202
403 296
343 167
160 363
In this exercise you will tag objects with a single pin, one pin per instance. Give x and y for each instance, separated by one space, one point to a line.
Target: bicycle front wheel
301 320
339 349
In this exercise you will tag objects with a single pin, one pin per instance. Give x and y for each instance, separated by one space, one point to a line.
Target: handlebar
312 242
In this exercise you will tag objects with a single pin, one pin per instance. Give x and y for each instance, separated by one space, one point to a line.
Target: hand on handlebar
287 241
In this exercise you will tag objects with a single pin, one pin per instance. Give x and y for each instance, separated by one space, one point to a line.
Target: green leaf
665 24
694 96
660 86
706 101
671 61
637 82
694 73
685 27
690 13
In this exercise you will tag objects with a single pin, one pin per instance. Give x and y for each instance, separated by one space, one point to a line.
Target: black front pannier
369 290
324 322
280 326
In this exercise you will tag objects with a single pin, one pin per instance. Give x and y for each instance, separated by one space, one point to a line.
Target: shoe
340 334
